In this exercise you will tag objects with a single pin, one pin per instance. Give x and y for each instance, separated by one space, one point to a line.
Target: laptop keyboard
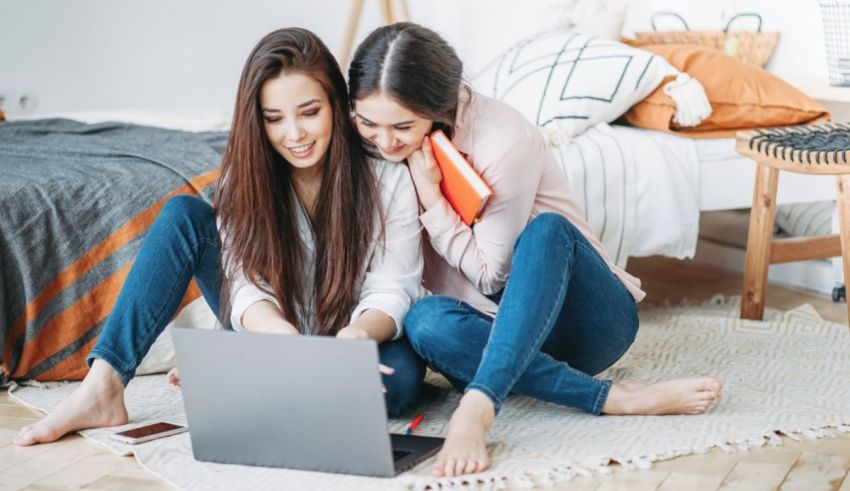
400 454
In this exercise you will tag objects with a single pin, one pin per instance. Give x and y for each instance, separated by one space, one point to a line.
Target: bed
643 190
75 202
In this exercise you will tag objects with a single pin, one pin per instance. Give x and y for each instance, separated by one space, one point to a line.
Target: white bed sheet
211 121
639 189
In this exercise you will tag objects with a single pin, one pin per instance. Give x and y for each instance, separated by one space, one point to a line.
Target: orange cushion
741 96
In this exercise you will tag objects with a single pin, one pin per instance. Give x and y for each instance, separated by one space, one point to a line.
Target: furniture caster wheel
839 293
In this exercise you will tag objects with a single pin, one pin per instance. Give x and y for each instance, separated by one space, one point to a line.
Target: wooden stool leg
387 11
759 240
404 13
350 31
842 193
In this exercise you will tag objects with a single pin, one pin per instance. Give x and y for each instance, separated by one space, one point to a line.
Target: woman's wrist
265 317
371 324
431 198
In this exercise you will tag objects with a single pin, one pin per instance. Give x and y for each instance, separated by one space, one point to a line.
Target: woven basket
754 47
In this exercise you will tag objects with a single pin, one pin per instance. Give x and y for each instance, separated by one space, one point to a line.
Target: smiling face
297 118
394 129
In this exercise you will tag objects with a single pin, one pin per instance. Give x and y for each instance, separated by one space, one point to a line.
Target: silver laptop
300 402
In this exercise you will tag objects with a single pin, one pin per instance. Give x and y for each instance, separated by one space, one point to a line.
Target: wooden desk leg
348 37
842 193
759 240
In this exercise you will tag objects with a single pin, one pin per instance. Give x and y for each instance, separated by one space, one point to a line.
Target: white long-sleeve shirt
393 275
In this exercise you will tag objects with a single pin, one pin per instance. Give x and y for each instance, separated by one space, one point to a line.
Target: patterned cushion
570 81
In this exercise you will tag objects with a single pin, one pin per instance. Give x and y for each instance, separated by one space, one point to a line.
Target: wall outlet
18 101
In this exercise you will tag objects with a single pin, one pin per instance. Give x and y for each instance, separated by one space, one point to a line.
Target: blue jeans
563 317
181 244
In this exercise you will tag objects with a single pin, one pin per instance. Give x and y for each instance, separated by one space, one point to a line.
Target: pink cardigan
511 155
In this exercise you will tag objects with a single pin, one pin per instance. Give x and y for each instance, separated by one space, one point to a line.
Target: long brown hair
413 65
257 207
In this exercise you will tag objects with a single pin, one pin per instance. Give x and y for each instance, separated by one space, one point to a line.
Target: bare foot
97 402
465 450
679 396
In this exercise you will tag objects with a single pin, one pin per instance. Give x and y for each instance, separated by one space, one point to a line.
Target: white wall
185 56
800 53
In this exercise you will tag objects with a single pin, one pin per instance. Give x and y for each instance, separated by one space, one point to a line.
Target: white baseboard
818 276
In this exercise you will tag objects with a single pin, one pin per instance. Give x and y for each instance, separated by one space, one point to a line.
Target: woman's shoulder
396 186
390 175
498 128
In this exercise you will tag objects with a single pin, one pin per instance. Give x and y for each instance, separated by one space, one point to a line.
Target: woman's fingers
174 377
385 369
428 153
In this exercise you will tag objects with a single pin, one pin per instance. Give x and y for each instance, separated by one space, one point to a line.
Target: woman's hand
426 175
352 332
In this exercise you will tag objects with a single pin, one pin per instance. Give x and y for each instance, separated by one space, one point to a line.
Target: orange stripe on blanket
67 326
104 249
74 366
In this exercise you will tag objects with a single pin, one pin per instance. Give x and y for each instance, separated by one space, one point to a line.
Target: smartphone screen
151 429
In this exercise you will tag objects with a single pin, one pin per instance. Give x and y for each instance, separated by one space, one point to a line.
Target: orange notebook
461 185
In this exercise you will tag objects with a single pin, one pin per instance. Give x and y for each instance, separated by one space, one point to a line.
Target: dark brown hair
256 203
413 65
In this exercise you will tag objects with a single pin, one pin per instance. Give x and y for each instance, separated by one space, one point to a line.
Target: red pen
418 419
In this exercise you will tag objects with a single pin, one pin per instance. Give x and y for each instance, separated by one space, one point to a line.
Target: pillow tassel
555 137
692 104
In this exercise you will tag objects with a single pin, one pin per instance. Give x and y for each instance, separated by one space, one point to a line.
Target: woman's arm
253 308
371 324
394 274
482 253
265 316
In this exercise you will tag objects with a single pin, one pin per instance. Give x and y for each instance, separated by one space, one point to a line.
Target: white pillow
569 81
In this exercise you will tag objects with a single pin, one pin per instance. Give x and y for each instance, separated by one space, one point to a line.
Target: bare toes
460 465
450 467
437 469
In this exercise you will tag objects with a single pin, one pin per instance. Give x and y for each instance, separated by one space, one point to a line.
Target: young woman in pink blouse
526 300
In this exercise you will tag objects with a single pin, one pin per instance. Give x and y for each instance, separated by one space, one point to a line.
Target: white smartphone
149 432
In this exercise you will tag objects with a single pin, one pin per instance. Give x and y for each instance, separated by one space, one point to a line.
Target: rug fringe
553 476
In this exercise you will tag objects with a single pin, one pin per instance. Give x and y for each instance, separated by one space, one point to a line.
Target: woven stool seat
816 149
821 149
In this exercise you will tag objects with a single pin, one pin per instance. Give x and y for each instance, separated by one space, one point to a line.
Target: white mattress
210 121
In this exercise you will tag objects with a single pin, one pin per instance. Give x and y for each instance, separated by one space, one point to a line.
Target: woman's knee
426 319
548 228
187 207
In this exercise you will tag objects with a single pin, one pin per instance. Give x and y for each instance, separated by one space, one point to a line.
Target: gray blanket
65 189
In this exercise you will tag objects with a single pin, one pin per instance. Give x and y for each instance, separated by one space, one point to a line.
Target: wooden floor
812 465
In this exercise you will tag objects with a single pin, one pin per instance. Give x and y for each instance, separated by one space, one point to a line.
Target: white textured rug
788 375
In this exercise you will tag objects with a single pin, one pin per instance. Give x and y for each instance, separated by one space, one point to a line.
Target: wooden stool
818 149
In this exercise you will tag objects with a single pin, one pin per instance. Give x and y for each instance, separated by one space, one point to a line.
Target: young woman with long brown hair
526 300
308 236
